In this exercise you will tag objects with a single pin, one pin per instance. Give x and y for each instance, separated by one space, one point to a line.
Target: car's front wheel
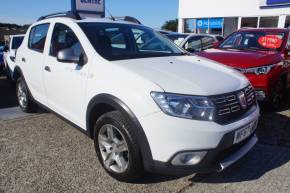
117 147
278 95
24 99
8 73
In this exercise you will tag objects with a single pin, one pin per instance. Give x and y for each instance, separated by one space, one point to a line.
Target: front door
65 82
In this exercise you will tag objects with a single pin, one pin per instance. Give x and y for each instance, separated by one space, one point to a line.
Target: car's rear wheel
117 147
24 99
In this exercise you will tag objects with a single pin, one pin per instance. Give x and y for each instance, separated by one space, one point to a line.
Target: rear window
37 37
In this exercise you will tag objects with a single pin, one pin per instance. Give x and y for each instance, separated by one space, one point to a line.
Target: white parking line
12 113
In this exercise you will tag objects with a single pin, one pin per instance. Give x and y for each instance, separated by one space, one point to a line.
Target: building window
287 22
249 22
230 25
269 21
189 26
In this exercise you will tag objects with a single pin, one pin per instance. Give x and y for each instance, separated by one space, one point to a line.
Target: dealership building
225 16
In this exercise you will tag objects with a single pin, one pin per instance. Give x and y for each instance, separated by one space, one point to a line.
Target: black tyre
8 73
1 69
24 99
278 95
117 148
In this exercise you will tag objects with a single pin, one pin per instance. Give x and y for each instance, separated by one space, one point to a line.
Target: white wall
226 8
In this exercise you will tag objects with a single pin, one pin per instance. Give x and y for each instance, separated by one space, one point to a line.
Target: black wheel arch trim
17 69
126 111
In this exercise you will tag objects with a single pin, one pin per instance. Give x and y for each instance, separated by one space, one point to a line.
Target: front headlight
190 107
262 70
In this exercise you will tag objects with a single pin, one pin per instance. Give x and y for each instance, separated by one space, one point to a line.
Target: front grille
230 107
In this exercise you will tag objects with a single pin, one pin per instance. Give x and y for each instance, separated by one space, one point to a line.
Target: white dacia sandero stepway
148 104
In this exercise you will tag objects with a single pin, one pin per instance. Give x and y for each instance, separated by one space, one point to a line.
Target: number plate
245 132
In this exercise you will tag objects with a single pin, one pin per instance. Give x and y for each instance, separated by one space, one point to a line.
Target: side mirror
68 56
6 48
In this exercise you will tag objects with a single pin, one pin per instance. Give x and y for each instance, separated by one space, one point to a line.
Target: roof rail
127 18
68 14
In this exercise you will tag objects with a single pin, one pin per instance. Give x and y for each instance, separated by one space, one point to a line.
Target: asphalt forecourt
42 153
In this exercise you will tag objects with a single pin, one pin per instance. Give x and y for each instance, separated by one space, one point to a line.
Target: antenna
112 17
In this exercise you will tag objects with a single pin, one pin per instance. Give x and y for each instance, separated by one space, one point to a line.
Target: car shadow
261 160
156 178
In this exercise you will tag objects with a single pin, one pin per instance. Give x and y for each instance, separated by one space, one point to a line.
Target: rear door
32 60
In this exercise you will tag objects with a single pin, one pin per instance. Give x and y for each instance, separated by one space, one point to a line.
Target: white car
10 52
148 105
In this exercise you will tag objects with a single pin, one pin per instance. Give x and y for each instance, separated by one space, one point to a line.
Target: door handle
47 68
23 60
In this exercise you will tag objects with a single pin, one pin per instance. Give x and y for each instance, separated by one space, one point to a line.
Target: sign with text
89 6
270 41
212 23
274 3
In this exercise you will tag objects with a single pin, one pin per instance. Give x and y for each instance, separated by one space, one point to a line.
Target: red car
262 55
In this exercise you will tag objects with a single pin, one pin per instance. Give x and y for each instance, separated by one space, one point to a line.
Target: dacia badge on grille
242 100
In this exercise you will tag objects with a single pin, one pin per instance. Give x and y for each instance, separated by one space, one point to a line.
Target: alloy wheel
22 95
113 148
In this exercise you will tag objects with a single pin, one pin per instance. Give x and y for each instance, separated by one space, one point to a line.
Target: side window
207 42
64 38
37 37
193 44
117 38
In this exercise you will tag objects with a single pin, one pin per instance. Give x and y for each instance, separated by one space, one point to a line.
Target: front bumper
216 160
169 136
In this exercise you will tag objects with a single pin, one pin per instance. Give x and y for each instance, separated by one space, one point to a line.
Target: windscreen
251 40
115 41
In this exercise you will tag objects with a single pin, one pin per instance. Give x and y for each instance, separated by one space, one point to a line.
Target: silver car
195 42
